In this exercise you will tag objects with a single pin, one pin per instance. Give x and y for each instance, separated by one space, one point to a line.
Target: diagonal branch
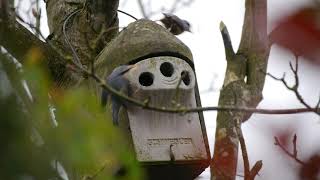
243 149
293 155
295 86
18 41
248 174
255 169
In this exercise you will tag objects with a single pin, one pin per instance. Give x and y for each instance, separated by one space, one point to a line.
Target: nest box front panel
157 136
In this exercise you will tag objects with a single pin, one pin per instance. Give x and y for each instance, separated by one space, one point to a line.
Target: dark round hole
166 69
146 79
185 77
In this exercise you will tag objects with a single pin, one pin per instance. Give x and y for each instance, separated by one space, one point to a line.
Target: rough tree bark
243 84
88 31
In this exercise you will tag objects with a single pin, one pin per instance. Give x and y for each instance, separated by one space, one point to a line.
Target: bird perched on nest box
174 24
117 81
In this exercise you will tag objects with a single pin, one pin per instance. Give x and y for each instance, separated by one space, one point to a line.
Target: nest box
168 145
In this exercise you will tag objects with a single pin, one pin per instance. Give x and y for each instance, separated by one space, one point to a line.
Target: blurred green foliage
83 140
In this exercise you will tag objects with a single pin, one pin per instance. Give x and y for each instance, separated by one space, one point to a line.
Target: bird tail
104 98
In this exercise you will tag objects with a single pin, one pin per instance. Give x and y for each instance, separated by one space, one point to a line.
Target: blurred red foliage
311 169
300 33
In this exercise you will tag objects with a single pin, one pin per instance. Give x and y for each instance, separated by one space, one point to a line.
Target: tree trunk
89 30
249 62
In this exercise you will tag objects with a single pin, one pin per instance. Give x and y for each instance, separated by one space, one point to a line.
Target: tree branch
245 157
18 41
227 41
252 56
254 45
181 109
295 86
293 155
88 31
255 170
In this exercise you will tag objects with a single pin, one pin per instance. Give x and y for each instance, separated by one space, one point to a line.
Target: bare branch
292 155
17 40
243 149
184 110
127 14
248 174
37 15
94 176
227 41
295 86
294 142
318 103
255 170
74 53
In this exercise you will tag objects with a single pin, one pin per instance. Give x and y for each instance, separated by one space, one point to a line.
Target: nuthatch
117 81
175 25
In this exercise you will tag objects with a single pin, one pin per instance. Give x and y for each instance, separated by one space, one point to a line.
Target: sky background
207 47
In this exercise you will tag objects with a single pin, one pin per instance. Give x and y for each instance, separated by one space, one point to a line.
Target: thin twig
294 143
37 30
294 88
184 110
74 53
93 176
37 14
127 14
293 155
244 151
318 103
196 109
